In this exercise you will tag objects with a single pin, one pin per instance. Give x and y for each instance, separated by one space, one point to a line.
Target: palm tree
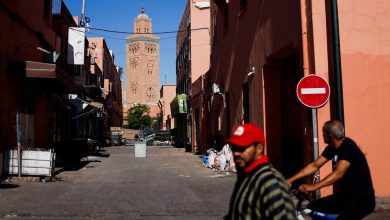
120 71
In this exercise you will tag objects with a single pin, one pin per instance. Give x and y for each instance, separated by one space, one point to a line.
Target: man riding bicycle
355 198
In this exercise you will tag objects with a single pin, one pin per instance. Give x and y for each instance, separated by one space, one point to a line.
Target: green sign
179 104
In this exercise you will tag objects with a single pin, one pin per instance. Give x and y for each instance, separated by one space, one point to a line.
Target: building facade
255 81
110 82
34 76
142 66
167 94
260 51
49 101
192 62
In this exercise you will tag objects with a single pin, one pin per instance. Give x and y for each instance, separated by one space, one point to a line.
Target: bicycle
302 200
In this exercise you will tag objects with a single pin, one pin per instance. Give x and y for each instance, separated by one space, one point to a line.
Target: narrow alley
168 184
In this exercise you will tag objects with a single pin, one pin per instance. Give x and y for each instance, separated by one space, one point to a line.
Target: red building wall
272 39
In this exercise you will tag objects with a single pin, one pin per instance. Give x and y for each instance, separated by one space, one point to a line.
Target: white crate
140 149
36 163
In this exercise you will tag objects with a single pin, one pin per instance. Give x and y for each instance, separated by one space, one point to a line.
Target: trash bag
222 162
227 151
205 160
212 155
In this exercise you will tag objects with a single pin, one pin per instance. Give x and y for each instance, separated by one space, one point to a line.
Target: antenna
165 79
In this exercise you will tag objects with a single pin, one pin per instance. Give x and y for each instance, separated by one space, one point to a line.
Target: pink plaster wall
154 110
98 51
168 94
365 56
366 85
200 40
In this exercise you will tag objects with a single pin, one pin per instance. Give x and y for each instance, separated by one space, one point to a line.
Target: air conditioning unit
202 5
215 88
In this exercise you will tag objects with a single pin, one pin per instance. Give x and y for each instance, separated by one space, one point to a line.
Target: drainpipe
18 133
307 68
305 7
338 83
305 48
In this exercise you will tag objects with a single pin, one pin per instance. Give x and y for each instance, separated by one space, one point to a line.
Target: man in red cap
260 191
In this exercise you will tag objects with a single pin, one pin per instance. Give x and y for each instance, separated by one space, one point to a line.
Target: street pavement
168 184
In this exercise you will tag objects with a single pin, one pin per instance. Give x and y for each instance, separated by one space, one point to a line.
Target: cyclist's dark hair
335 128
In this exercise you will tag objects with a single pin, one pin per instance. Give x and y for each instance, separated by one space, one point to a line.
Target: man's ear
260 147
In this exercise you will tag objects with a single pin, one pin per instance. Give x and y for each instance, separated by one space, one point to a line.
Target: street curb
382 204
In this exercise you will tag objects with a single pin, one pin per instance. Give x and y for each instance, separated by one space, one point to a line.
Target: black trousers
345 208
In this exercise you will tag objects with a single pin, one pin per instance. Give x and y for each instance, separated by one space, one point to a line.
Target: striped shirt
261 194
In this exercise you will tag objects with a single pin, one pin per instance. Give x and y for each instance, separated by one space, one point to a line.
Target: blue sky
119 15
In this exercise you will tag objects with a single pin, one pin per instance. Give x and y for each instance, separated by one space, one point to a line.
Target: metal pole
83 8
315 142
337 63
18 143
82 17
315 133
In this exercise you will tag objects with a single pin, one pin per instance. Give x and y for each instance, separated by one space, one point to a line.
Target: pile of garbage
222 160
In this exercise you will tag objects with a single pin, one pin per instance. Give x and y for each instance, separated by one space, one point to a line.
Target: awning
96 104
33 69
92 103
40 70
96 107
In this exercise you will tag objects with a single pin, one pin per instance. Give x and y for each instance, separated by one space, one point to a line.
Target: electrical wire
115 38
154 33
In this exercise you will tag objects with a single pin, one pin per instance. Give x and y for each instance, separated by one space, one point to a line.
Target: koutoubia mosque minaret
142 66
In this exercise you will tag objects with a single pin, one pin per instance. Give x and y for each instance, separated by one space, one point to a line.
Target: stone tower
142 65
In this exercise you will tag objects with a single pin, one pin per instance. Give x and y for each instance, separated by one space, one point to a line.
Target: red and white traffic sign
313 91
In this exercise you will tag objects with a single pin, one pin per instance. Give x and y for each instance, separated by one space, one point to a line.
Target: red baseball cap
246 134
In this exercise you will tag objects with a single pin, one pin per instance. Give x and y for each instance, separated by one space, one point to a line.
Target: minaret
143 65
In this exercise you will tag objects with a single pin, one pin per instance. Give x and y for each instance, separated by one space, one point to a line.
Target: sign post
313 91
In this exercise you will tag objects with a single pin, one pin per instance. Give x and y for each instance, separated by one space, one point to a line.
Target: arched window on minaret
150 94
133 87
133 63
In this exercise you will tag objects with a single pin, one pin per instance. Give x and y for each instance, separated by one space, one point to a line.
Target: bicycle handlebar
304 197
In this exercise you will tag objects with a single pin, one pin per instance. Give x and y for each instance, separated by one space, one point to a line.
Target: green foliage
138 116
120 71
155 125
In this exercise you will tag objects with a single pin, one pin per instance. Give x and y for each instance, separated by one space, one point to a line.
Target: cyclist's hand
289 182
306 188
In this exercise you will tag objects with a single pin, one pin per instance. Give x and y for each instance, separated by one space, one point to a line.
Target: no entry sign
313 91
